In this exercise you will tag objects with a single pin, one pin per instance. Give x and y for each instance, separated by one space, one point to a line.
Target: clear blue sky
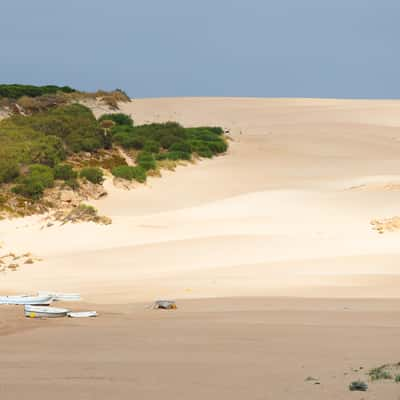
154 48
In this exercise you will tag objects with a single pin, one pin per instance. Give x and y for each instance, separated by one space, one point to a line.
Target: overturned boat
43 300
62 296
45 312
82 314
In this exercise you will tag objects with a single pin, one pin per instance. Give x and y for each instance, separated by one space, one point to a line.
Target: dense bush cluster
34 148
15 91
92 174
33 184
171 137
167 141
146 160
64 172
46 139
118 118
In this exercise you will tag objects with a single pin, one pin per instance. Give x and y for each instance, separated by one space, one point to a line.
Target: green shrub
214 129
15 91
64 172
130 173
9 170
181 146
151 138
217 146
118 118
161 156
33 184
151 146
43 173
204 134
179 155
94 175
29 188
129 140
48 150
74 125
202 150
146 160
168 140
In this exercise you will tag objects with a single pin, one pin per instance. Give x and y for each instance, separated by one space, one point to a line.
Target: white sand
286 212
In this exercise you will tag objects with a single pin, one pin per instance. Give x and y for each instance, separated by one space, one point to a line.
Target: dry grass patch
81 213
386 225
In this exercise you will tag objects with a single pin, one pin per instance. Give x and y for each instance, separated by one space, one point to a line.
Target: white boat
82 314
62 296
45 312
36 300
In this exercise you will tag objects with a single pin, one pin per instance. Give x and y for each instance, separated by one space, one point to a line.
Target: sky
168 48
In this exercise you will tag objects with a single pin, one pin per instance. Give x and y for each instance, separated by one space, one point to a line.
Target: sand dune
290 190
265 233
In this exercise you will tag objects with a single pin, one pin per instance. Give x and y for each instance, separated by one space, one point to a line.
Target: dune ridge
282 213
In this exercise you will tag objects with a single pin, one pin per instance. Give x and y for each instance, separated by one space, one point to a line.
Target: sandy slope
285 212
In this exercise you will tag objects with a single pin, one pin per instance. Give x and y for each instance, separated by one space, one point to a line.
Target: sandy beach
235 348
269 250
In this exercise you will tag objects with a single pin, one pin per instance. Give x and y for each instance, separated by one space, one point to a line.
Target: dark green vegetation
154 143
47 138
92 174
33 183
130 173
64 172
16 91
118 118
167 141
65 144
33 148
170 137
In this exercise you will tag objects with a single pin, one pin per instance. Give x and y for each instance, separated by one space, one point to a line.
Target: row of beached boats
39 306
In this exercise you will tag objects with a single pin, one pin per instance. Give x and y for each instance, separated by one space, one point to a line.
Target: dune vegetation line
51 141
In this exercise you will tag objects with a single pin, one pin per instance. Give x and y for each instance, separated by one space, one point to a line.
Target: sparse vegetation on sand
386 225
385 372
83 213
11 261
